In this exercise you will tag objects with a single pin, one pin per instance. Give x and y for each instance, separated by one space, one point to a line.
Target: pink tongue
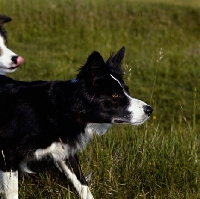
20 60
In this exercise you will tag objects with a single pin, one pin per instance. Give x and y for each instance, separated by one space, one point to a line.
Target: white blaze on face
5 57
136 108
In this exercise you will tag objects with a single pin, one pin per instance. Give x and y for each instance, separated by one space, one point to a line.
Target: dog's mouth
121 121
8 69
127 121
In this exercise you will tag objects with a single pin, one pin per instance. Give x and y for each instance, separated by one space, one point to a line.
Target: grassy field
159 159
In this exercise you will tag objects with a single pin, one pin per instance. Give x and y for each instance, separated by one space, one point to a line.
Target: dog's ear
95 62
4 19
94 69
114 61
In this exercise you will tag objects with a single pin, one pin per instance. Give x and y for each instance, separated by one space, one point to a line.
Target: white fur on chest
96 128
61 151
56 150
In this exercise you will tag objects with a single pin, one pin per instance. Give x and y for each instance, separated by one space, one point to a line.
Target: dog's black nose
14 59
148 109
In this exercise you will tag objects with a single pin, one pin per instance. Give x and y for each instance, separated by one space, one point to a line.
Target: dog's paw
86 193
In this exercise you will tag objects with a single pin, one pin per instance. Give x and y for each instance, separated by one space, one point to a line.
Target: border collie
9 61
56 119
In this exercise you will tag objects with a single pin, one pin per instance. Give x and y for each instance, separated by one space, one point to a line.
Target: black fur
3 19
36 114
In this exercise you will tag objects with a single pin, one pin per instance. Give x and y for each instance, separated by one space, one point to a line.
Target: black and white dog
9 61
58 118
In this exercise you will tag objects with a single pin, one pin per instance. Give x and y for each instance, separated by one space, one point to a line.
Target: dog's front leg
73 172
9 184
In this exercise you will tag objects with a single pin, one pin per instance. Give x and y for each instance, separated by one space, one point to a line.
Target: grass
159 159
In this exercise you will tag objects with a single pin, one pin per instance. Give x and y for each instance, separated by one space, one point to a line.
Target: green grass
159 159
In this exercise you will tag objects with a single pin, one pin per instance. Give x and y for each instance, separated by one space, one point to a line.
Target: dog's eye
115 95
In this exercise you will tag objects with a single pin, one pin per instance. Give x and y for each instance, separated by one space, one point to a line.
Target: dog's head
9 61
108 94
